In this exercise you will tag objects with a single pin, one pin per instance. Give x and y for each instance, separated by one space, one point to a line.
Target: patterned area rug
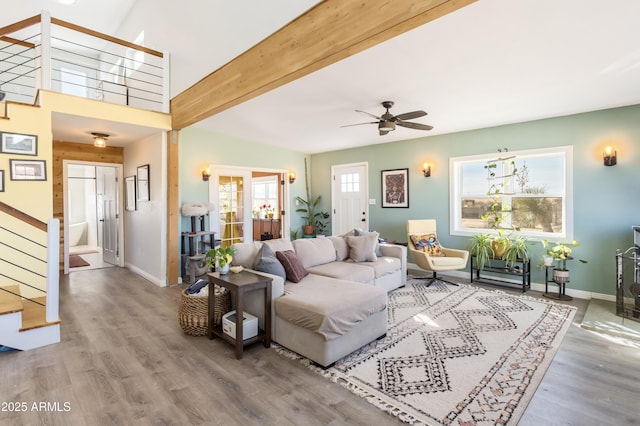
455 355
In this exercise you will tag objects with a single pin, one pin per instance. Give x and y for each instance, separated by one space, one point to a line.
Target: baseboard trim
145 275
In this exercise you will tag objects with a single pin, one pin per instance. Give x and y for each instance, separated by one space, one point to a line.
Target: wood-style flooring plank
124 360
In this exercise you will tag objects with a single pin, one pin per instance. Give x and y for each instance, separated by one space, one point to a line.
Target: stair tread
34 315
10 303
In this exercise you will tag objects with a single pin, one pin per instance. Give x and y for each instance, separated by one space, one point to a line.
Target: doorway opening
92 226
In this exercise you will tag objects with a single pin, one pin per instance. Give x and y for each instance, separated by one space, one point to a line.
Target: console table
522 270
239 284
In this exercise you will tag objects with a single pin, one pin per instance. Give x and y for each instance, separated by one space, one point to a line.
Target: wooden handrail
105 37
38 224
25 23
12 40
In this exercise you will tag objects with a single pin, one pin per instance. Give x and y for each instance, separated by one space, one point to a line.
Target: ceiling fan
387 122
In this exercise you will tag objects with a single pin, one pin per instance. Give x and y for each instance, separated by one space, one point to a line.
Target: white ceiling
491 63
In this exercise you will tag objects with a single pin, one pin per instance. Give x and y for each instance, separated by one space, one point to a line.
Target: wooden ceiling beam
331 31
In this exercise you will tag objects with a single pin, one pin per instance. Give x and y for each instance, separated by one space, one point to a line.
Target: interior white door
349 196
107 194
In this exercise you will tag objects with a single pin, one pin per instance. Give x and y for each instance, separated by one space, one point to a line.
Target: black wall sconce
292 177
206 174
426 169
610 156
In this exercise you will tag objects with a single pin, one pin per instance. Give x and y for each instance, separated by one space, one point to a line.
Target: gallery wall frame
17 143
143 191
395 188
1 180
28 169
130 193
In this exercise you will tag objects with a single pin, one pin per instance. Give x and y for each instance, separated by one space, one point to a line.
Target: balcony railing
42 52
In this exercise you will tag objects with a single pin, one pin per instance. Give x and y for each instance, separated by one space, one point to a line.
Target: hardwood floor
124 360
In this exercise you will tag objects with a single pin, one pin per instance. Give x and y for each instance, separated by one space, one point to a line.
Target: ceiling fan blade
411 115
416 126
359 124
369 114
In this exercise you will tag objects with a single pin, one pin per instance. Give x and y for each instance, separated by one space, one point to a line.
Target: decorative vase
225 269
547 260
561 276
498 248
270 215
262 214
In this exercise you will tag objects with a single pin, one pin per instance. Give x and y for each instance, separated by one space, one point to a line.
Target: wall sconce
610 156
426 169
206 174
99 139
292 177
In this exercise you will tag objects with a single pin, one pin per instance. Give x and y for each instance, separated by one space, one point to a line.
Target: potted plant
481 248
518 249
220 257
561 251
316 221
499 244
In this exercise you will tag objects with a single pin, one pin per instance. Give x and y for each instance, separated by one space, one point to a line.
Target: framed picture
143 191
395 188
28 169
130 193
1 180
14 143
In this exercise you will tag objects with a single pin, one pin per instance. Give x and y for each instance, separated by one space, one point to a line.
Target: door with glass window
349 198
231 194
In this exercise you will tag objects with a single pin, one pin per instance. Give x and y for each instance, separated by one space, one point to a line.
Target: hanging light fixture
99 139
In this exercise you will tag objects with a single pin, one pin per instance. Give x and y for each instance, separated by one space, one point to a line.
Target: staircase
23 321
29 251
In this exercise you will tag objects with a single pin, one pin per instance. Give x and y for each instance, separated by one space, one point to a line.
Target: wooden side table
239 284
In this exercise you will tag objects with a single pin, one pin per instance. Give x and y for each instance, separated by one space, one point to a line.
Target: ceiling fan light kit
387 122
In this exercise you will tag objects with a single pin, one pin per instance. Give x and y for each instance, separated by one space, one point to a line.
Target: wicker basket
194 311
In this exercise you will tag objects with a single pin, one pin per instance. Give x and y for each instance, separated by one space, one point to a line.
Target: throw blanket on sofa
315 305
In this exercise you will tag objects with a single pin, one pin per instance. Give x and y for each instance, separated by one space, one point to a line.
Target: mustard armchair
436 258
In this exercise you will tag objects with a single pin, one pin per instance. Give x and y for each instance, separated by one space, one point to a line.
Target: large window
525 190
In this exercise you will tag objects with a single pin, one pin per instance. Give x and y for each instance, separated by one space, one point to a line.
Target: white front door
349 196
107 192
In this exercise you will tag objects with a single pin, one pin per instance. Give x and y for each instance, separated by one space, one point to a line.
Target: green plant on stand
561 251
518 249
221 258
481 248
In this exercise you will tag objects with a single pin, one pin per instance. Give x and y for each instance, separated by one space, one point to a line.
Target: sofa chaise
336 300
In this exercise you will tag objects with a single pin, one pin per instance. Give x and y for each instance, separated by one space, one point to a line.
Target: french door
230 192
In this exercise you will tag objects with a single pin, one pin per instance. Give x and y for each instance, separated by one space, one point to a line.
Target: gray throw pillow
359 232
266 261
362 249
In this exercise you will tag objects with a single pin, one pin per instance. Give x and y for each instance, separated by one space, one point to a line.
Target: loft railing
30 259
42 52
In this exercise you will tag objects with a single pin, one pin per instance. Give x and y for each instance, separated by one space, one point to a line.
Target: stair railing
28 262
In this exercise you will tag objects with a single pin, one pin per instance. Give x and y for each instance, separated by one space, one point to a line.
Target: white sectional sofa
338 306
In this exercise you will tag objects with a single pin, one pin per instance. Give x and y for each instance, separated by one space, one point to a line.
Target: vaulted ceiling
490 63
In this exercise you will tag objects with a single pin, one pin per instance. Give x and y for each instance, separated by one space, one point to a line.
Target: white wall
145 228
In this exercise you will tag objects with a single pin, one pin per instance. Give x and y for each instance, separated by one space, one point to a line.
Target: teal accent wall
606 199
199 148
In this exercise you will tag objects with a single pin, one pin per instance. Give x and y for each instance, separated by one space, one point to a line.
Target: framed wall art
395 188
28 169
15 143
143 191
130 193
1 180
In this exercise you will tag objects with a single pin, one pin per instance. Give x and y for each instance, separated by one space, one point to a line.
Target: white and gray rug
456 355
